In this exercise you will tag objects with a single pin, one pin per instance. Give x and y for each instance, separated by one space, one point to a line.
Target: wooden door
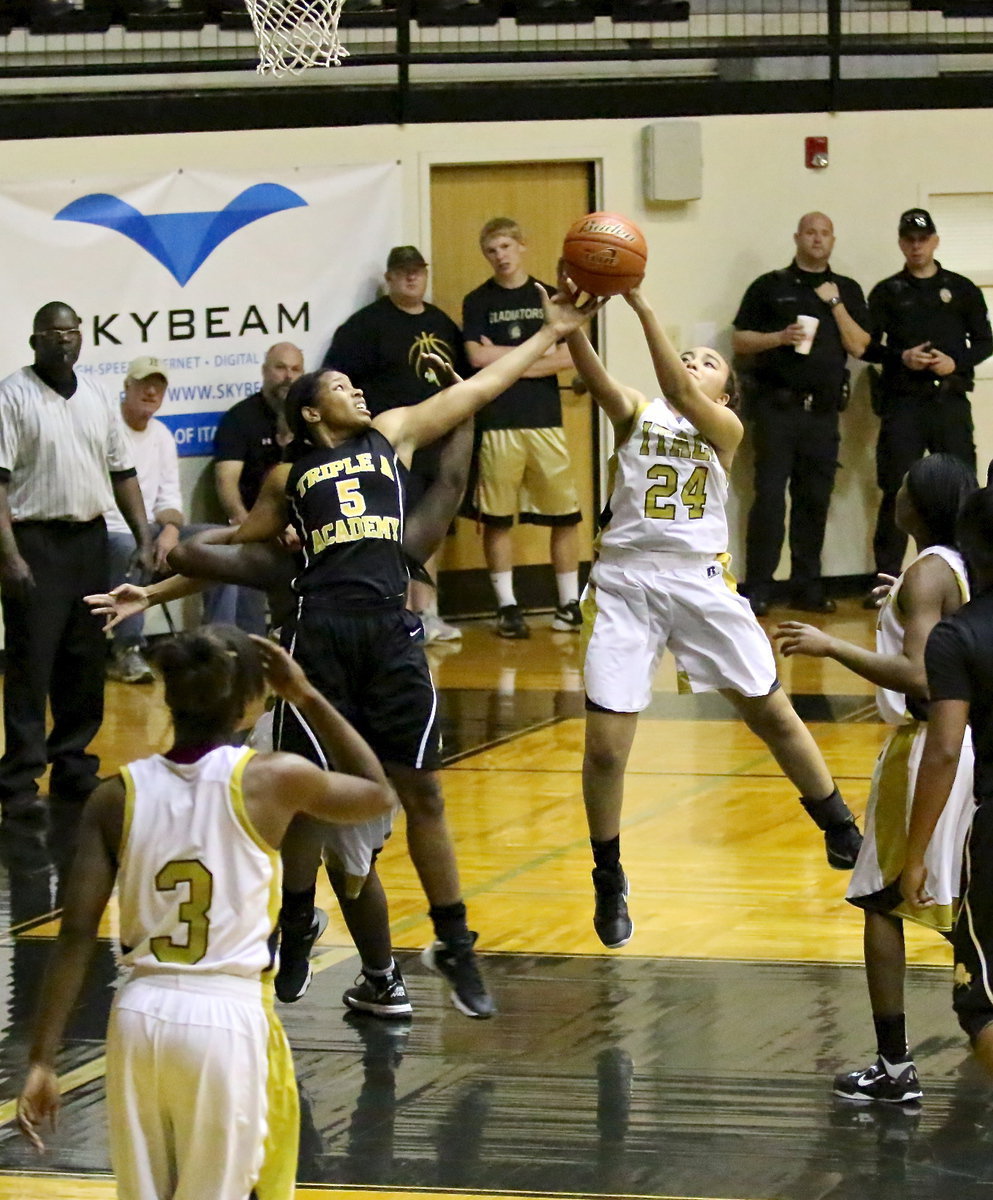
544 198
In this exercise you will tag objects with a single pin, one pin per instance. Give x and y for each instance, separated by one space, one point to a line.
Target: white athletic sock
503 585
568 585
373 974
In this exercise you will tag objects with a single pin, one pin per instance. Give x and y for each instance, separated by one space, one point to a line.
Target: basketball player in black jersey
344 496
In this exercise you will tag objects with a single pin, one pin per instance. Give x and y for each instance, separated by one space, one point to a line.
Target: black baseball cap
405 258
916 222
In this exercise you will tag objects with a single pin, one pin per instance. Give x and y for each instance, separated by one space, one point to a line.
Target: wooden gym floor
694 1062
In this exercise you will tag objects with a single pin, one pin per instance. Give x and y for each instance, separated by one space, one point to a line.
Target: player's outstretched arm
929 592
425 528
129 599
718 424
946 726
421 424
91 882
209 555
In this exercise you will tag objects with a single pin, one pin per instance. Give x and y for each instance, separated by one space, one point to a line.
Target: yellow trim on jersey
238 804
129 799
724 559
237 795
277 1176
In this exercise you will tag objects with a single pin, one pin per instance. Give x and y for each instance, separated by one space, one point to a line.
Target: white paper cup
809 329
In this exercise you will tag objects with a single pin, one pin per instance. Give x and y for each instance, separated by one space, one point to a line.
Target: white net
296 34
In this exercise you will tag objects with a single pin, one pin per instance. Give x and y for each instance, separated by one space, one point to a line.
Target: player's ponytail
302 394
938 486
210 676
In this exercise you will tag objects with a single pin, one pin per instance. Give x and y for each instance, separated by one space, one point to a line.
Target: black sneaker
296 940
611 921
842 843
568 618
876 1083
381 995
510 623
456 960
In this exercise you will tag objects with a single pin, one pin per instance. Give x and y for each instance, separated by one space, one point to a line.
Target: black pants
797 449
55 652
911 427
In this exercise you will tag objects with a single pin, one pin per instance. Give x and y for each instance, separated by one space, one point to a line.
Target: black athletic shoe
611 921
456 960
296 940
510 623
842 843
875 1083
568 618
381 995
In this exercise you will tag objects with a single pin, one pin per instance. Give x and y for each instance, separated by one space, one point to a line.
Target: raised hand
284 675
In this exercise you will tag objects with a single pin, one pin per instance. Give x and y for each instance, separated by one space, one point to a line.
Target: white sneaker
437 630
130 667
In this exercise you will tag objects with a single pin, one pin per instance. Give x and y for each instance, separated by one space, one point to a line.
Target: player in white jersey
932 587
201 1096
660 581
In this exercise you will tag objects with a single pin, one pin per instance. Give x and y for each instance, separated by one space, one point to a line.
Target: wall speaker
672 161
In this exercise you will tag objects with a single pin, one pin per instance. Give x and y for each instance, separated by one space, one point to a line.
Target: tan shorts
526 472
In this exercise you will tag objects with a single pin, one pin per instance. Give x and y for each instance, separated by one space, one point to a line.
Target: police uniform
793 404
353 637
875 882
201 1094
660 578
922 412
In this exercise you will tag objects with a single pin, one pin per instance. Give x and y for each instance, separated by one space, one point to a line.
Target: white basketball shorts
638 604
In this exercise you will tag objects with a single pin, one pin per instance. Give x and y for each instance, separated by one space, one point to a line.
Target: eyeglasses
58 333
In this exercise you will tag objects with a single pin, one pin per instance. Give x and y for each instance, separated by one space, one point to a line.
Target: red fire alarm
816 152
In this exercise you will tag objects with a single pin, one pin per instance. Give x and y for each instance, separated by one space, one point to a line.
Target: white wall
702 254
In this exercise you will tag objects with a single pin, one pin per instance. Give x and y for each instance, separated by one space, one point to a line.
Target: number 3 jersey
668 490
198 887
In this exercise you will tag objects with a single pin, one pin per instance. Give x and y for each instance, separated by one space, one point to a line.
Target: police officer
929 329
797 388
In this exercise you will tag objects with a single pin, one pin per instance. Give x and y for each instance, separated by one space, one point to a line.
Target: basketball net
296 34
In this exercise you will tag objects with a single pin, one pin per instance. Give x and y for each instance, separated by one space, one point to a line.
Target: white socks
503 585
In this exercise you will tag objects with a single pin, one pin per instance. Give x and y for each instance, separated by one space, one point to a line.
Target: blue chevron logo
182 242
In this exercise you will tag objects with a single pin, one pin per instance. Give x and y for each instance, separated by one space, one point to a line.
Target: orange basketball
605 254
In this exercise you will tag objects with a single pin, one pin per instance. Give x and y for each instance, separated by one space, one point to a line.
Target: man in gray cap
153 450
382 349
930 329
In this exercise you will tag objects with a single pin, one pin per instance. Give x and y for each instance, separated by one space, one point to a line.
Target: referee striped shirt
57 455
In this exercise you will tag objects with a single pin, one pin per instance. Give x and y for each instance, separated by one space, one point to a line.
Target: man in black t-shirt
798 388
959 663
930 329
382 348
523 464
248 443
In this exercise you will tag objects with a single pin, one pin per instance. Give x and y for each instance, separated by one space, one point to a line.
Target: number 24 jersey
668 491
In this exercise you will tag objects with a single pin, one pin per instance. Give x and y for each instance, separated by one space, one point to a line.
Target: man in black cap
382 348
800 386
929 329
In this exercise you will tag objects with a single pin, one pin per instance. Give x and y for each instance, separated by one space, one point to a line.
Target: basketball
605 254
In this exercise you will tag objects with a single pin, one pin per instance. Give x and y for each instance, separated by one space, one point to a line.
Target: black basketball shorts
371 666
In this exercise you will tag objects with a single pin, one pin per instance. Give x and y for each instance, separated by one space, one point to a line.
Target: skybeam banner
204 270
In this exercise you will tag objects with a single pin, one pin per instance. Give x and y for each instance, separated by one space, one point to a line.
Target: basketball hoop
296 34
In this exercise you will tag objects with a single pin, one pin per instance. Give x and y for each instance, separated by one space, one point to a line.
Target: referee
63 461
929 329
